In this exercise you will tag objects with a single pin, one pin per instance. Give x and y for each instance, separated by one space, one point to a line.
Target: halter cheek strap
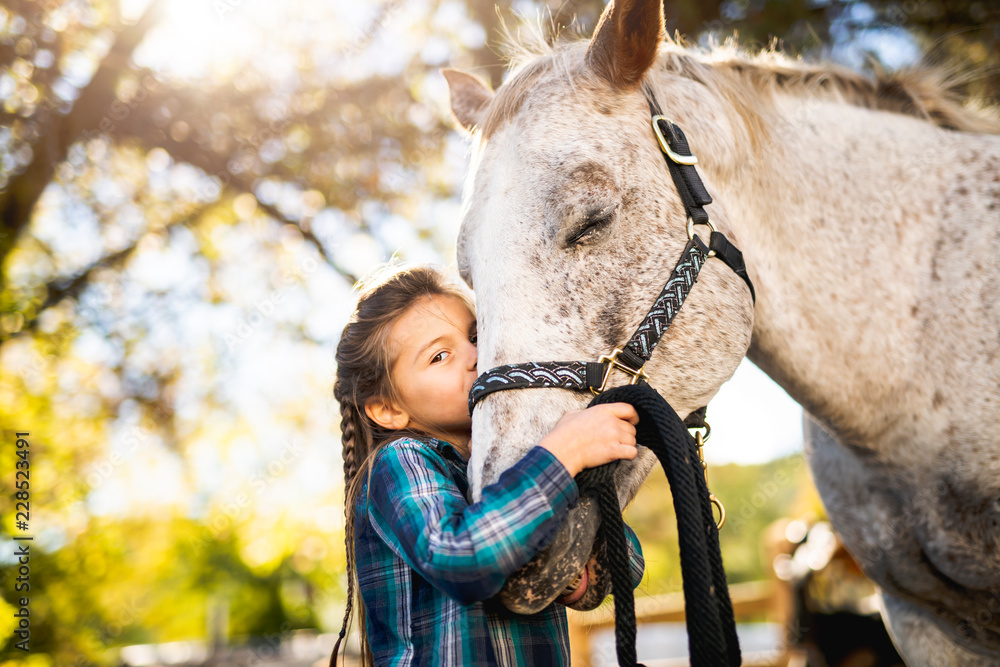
630 359
681 163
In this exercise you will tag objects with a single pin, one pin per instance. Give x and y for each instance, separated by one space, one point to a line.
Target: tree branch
24 190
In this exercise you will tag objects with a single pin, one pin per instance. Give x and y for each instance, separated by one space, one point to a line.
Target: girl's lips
581 588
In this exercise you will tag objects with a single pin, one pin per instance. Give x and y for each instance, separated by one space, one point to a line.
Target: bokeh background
189 190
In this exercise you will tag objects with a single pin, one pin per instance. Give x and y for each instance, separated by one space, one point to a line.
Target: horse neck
843 217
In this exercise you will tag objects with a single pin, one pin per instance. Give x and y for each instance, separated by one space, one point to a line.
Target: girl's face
435 350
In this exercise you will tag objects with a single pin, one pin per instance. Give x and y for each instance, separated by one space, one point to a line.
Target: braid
347 429
347 619
355 435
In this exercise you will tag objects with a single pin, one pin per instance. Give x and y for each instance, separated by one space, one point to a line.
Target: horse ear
626 41
469 98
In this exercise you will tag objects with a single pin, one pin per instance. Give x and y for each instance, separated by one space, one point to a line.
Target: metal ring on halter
704 436
690 230
722 510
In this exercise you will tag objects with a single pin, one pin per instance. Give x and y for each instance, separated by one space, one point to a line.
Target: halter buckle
665 145
700 438
612 362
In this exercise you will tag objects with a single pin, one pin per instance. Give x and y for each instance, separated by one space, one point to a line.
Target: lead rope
712 640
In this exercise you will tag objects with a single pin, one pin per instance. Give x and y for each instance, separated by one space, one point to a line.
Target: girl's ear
386 415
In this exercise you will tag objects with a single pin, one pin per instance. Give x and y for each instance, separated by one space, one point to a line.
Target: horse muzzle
548 575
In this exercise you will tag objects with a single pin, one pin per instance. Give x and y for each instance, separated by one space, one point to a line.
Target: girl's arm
467 551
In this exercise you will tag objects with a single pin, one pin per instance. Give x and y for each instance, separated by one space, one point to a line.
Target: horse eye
591 226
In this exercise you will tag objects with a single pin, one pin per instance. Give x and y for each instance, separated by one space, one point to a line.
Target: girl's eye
440 356
474 337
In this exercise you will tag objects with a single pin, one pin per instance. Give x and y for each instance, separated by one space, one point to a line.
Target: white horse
868 211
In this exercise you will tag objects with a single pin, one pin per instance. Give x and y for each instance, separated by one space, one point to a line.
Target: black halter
630 359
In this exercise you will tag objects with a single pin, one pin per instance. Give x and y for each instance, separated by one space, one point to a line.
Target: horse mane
749 82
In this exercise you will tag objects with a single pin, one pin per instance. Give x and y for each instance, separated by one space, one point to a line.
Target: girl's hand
594 436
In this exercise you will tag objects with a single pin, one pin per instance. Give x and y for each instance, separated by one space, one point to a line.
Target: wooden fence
751 601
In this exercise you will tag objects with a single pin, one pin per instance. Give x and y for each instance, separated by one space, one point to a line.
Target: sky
753 420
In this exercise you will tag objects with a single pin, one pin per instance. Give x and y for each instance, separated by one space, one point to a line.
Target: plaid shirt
429 562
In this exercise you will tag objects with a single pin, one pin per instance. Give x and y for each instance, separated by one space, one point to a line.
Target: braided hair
364 361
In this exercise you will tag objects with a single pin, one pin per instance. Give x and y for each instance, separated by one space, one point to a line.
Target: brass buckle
665 146
700 439
612 361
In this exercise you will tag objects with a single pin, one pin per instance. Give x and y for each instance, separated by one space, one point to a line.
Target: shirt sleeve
637 564
467 551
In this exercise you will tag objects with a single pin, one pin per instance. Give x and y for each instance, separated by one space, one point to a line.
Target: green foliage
151 580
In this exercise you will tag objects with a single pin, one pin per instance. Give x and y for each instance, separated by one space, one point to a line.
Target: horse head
571 226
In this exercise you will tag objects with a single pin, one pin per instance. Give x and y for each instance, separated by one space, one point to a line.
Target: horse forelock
524 77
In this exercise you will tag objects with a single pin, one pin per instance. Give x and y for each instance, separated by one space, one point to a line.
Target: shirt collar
449 450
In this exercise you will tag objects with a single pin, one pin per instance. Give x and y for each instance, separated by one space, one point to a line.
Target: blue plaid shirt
429 562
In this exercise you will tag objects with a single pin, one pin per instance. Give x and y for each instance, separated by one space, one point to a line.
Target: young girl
425 561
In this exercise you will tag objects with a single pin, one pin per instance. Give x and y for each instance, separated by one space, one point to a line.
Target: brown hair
364 363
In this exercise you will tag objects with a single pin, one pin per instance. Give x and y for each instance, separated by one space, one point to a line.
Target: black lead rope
711 627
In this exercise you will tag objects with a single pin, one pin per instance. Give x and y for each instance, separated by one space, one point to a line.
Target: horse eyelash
594 222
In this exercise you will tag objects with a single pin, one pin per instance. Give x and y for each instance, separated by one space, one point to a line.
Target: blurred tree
39 122
965 33
159 232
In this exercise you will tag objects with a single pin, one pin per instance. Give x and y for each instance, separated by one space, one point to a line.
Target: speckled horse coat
868 212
